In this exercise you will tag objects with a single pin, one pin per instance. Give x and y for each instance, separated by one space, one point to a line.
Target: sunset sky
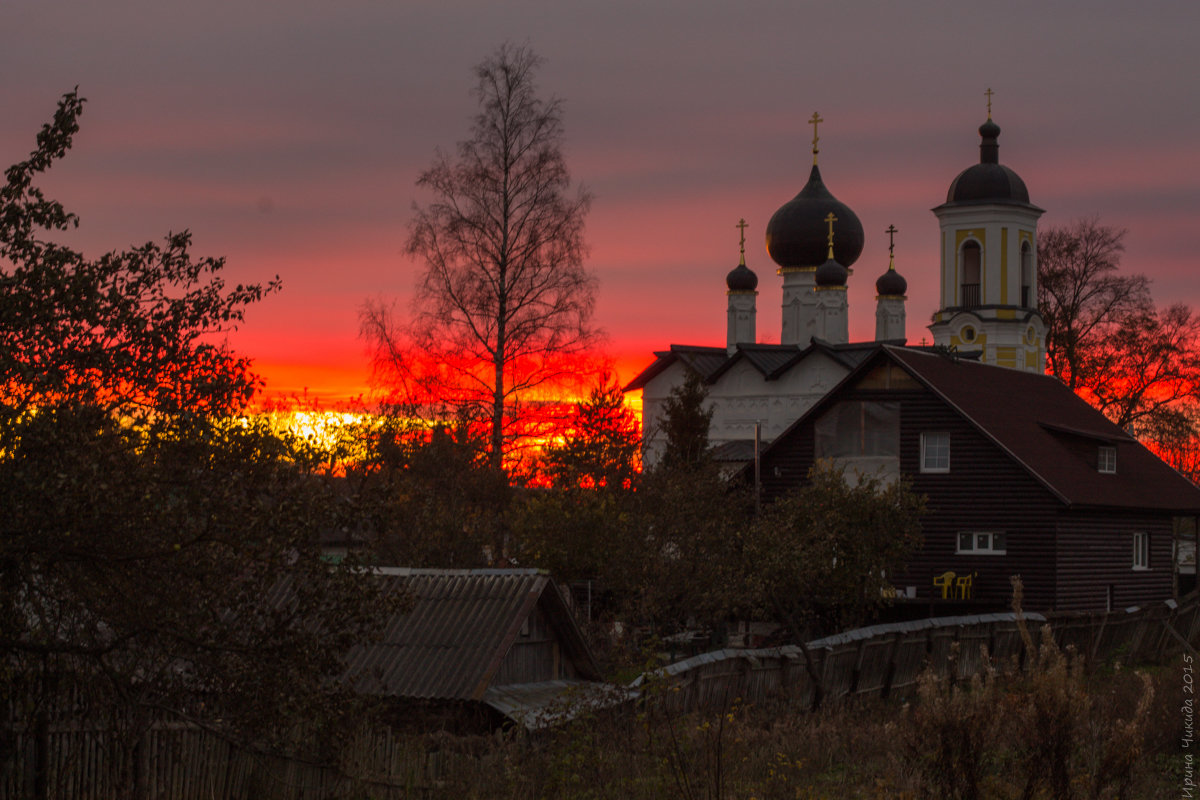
288 136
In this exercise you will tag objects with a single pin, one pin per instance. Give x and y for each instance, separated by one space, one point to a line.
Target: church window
972 263
968 334
1027 298
1141 551
982 543
1107 462
935 452
856 429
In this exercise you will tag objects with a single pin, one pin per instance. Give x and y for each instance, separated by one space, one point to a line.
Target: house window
982 543
1108 460
857 429
1141 551
935 452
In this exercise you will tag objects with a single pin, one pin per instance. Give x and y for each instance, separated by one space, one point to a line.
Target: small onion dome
831 273
741 279
797 233
891 284
989 181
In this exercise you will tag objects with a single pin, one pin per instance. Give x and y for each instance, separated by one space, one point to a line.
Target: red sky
288 138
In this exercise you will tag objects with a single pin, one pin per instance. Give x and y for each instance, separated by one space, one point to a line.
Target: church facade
987 309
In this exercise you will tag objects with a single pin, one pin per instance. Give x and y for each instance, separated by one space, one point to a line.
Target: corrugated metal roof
461 625
546 703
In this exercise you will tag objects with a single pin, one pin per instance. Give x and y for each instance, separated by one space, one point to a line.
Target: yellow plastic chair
945 582
963 586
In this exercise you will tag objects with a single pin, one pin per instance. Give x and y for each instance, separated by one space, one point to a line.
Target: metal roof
451 643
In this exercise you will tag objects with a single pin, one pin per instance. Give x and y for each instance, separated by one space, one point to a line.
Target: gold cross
989 94
742 226
814 121
830 218
891 232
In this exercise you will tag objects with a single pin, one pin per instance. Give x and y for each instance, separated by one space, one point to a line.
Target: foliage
822 554
503 310
685 559
430 498
685 423
1106 339
158 553
1026 733
601 444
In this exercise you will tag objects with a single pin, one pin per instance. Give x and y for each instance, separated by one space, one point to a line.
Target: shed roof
452 642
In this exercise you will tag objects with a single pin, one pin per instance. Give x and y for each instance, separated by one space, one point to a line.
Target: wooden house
1021 476
478 648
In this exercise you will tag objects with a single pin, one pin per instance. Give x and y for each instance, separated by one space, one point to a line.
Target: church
987 309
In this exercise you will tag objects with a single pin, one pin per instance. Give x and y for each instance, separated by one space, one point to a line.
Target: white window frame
1141 551
1106 459
981 543
925 451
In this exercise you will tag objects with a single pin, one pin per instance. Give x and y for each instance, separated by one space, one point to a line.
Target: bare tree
504 307
1107 340
1082 296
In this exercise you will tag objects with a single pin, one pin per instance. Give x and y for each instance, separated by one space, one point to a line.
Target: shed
478 648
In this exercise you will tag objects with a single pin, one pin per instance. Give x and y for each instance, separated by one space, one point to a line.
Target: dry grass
1049 732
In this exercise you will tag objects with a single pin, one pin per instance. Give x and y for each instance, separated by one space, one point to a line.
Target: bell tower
989 263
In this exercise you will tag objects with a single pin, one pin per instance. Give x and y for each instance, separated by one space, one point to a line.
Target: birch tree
503 309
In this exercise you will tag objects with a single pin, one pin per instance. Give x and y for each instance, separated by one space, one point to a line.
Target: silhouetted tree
600 444
685 423
822 555
1106 339
149 533
505 304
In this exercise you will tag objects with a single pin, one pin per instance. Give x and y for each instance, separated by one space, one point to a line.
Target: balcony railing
969 295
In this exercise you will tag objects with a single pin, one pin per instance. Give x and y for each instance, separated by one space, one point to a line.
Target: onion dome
741 279
891 284
831 273
989 181
796 233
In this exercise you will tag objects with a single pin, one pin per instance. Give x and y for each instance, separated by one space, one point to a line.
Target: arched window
1028 300
972 259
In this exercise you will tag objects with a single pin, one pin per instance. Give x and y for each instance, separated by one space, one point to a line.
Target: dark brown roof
1029 415
452 642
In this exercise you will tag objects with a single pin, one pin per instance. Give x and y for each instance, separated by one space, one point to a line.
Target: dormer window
1107 460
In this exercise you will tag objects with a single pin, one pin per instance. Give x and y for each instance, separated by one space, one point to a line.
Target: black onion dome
831 273
891 284
797 235
741 279
989 181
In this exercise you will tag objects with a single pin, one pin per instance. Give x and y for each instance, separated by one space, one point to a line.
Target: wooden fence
174 761
884 659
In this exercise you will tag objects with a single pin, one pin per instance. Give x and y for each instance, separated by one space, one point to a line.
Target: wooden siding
535 656
1095 551
984 490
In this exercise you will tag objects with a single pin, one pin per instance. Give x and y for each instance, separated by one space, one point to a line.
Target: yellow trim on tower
943 281
1006 357
1006 313
1004 266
